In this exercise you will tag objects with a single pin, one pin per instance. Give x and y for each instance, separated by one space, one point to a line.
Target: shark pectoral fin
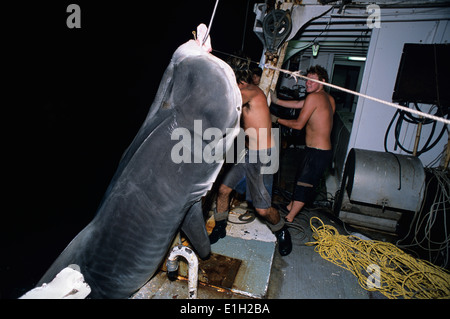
194 228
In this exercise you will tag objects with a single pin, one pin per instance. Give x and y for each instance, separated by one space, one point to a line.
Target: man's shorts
246 178
310 172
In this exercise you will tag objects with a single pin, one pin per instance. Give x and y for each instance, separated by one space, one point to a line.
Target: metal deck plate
218 271
253 244
239 266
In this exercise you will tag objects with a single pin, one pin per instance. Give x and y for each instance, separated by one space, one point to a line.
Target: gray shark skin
150 196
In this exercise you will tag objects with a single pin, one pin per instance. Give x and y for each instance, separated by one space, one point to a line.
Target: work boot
219 231
284 241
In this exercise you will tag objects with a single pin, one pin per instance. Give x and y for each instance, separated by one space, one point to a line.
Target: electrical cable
422 226
298 227
244 218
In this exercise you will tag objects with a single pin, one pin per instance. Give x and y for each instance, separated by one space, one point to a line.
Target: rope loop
380 266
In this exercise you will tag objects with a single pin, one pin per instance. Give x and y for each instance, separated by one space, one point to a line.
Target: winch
272 28
378 188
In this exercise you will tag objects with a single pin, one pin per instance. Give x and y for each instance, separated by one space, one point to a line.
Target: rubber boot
284 241
219 231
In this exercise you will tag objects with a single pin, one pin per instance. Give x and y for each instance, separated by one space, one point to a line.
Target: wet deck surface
304 274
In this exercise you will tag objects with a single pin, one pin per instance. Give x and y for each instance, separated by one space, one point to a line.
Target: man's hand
274 118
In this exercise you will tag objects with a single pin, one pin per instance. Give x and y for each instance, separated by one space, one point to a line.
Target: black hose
409 118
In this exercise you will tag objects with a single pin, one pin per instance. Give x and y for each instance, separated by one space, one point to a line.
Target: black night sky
73 101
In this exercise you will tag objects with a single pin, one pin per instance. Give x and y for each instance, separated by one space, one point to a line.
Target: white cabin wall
385 51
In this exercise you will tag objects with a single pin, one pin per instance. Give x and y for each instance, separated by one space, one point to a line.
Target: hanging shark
153 193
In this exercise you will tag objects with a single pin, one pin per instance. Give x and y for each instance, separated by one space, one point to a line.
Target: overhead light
356 58
315 48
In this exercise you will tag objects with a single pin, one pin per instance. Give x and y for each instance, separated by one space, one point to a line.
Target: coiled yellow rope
381 266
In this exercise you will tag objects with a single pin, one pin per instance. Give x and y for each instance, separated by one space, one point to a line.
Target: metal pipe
447 157
384 224
416 142
191 258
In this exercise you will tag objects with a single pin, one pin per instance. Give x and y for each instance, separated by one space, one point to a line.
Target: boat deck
263 272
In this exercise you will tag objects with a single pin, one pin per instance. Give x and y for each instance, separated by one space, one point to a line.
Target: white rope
210 22
297 74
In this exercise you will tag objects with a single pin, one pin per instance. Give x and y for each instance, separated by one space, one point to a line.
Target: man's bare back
256 117
257 124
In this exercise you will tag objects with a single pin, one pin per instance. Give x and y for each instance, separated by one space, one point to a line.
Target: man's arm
290 104
295 124
303 117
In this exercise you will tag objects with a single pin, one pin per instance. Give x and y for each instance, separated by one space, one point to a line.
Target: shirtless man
316 116
246 176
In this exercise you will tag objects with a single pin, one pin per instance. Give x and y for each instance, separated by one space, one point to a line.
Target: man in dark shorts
254 174
314 163
316 116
